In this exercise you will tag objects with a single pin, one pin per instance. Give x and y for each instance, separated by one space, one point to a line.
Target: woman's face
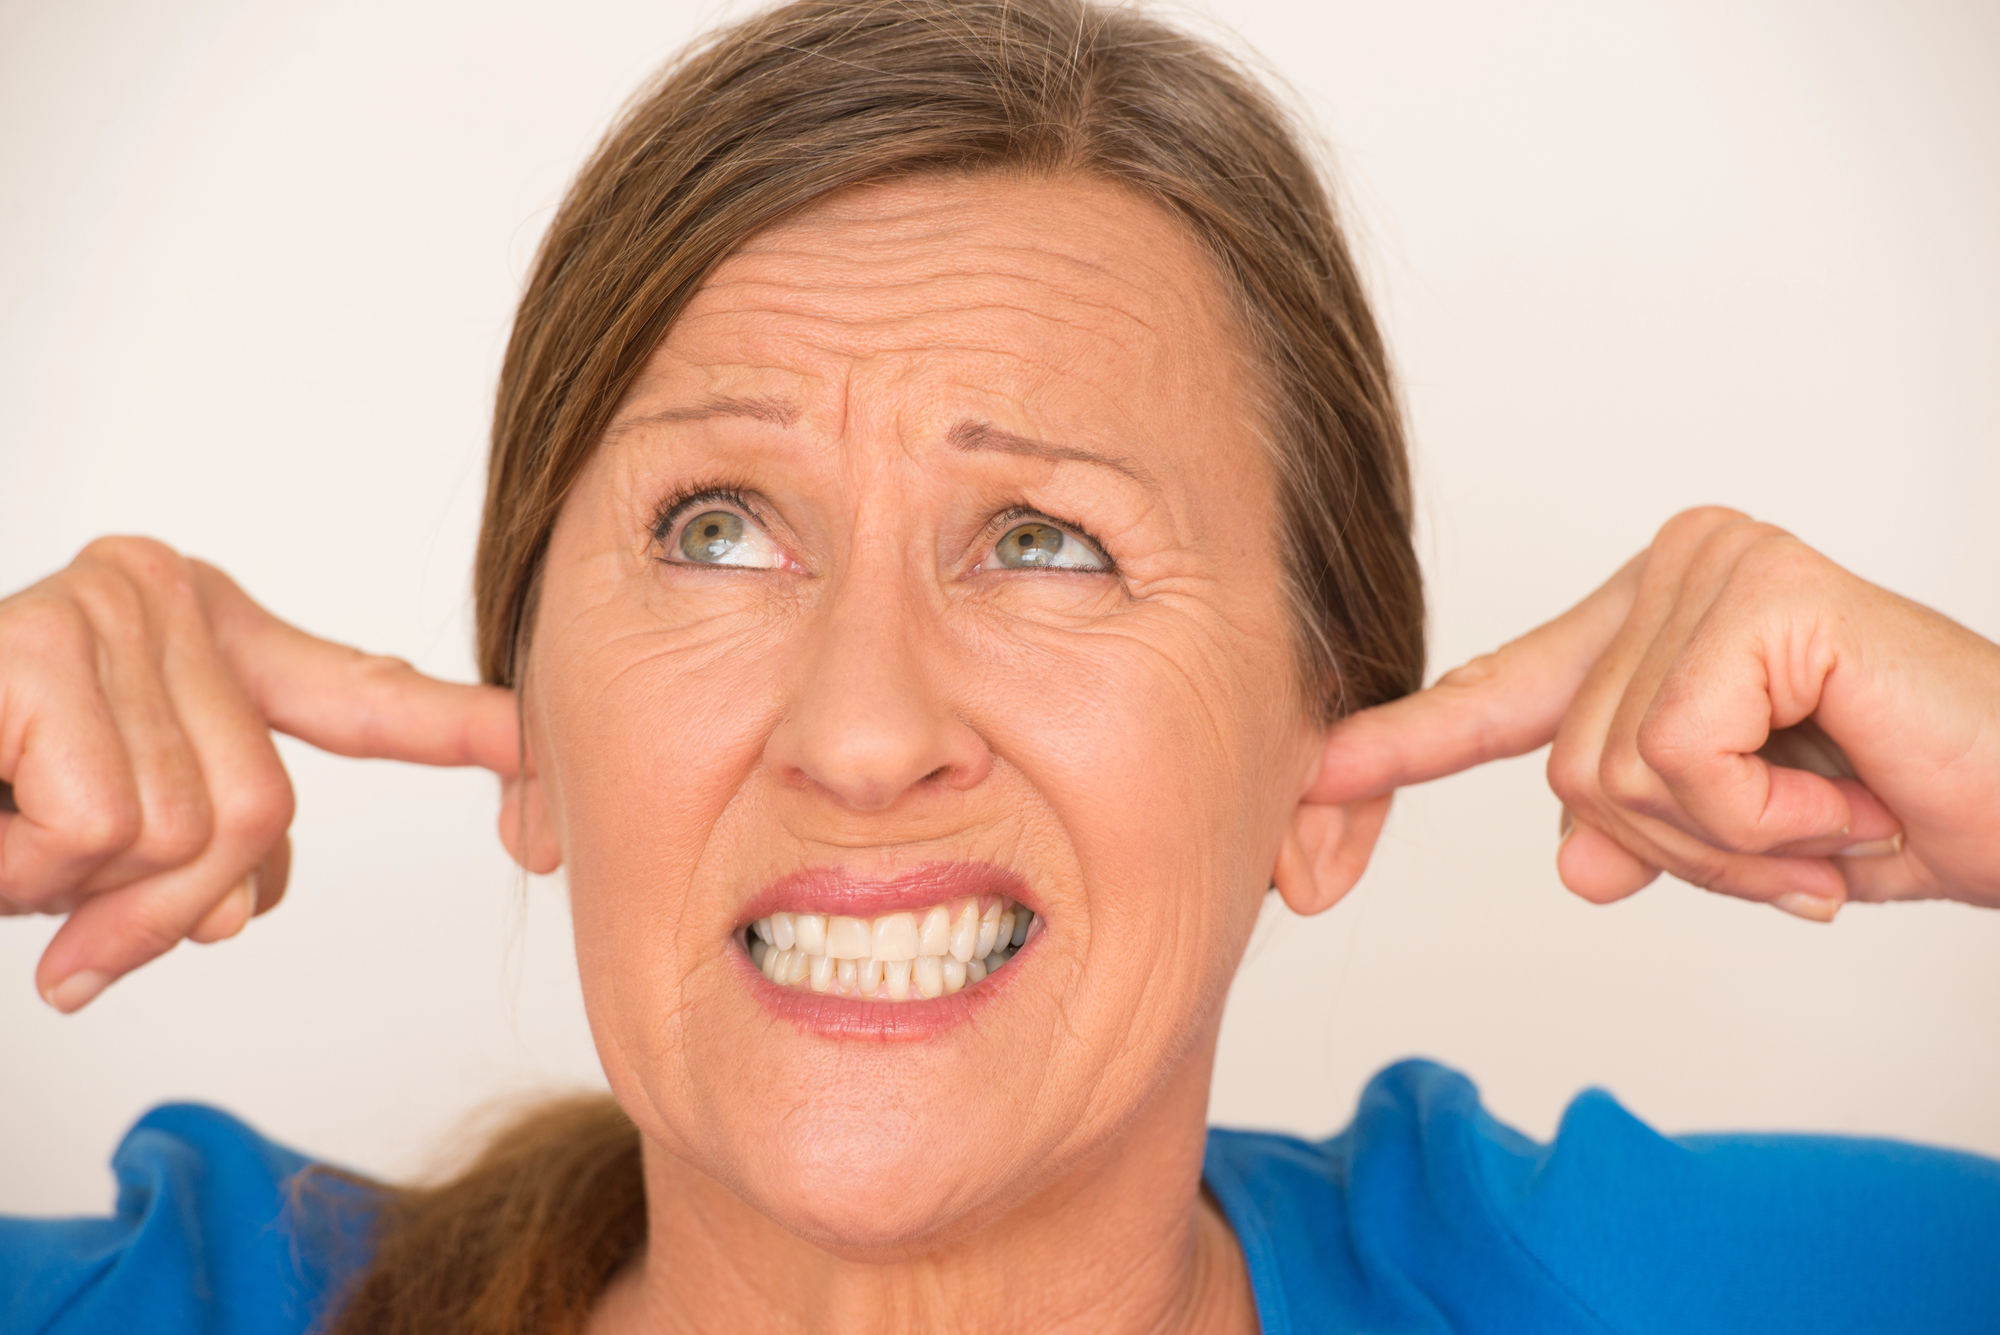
933 562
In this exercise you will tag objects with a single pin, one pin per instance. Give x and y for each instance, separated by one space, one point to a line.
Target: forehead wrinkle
961 229
788 302
1054 350
836 272
818 358
906 273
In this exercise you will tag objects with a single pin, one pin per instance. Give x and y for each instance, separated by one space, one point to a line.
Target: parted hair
748 127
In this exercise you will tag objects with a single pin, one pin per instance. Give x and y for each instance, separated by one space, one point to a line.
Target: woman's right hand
138 693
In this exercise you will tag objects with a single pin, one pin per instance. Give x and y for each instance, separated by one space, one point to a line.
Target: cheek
1156 757
652 733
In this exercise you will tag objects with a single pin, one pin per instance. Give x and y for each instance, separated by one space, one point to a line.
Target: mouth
903 954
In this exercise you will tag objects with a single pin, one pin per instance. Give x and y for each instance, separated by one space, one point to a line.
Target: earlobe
1326 849
525 827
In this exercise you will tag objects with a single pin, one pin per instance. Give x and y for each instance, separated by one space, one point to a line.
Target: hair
745 129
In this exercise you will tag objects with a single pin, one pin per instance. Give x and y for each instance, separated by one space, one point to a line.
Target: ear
526 824
1326 849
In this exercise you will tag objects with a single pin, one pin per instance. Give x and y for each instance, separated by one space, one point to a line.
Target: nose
868 724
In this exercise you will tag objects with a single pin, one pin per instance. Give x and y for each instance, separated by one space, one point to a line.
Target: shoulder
216 1229
1428 1214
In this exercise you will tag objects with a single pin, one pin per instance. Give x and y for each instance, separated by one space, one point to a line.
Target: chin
873 1182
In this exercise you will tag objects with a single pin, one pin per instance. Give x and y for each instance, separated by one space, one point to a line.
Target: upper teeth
929 953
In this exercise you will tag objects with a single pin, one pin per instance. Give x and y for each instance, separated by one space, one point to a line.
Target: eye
724 538
1040 545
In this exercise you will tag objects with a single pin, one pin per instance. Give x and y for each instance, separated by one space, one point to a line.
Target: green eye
712 536
1031 545
1038 545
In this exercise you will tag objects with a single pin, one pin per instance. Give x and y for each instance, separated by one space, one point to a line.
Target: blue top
1425 1215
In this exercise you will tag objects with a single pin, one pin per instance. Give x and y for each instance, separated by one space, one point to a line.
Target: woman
946 557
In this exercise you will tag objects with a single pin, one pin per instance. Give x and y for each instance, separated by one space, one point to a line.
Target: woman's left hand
1660 691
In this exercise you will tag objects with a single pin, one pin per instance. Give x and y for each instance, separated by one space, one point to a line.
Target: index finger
352 703
1501 704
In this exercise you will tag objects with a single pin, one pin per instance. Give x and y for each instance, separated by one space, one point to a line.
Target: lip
850 1018
834 890
838 890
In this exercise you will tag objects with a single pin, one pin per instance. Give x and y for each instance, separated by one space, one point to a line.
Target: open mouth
907 956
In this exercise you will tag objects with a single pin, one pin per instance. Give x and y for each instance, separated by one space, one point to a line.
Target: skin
879 696
886 698
1656 694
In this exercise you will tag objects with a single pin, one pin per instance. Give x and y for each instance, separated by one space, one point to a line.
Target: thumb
352 703
1501 704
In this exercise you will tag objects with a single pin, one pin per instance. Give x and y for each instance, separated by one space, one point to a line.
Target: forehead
1070 298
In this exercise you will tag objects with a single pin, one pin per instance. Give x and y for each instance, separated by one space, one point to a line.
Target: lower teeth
917 962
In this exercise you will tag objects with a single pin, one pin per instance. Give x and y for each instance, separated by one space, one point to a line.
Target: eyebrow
970 436
778 412
985 436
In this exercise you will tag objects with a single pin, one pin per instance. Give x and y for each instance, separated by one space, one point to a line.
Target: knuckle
149 569
1666 744
382 679
178 829
1725 546
258 811
1697 524
107 823
44 626
1623 778
381 670
137 555
1572 777
1777 561
1474 679
110 601
1472 675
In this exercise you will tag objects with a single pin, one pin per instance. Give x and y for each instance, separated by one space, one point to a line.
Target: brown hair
523 1241
750 126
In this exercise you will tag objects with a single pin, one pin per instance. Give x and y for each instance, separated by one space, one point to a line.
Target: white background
257 261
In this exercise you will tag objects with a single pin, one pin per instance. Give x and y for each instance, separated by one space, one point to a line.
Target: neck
1125 1244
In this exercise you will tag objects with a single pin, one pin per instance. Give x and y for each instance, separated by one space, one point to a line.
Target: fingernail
75 992
1874 848
1564 828
1815 908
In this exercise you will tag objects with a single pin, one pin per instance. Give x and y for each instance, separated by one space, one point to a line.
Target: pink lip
838 890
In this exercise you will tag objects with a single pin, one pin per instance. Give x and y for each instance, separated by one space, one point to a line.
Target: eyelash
1002 523
676 506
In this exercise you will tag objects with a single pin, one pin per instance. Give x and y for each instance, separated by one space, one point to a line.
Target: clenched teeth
930 953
